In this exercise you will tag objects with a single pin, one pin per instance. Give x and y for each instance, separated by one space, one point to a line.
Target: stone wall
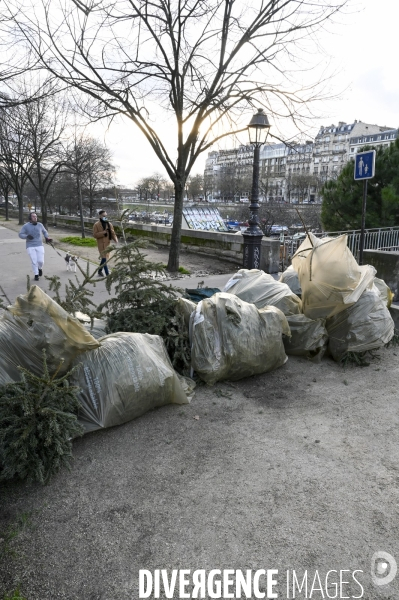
387 265
227 246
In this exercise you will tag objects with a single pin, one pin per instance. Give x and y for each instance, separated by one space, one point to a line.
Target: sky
360 48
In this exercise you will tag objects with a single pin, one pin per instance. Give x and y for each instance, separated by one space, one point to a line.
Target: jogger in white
36 255
32 232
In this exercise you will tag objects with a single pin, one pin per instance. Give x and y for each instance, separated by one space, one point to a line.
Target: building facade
293 172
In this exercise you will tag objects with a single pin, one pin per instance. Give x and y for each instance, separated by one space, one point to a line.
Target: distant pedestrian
104 234
32 232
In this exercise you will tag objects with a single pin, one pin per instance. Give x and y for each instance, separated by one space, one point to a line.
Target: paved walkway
16 267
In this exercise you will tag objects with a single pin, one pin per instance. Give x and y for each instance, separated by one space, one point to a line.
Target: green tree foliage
343 197
38 419
143 304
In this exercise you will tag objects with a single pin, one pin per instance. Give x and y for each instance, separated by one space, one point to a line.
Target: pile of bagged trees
324 303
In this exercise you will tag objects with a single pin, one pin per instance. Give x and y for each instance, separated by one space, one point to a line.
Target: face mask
104 218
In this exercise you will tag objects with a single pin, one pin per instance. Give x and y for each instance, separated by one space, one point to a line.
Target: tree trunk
43 208
82 225
6 200
20 208
174 252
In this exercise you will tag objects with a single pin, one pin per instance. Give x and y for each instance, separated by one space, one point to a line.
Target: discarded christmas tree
77 295
38 419
142 303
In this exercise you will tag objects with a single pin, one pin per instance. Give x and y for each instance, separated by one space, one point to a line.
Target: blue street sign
364 165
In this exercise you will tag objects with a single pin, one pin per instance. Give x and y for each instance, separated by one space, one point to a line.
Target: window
335 159
316 170
327 139
379 137
316 161
352 149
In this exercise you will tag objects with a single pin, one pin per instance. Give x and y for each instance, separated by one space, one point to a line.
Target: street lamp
258 130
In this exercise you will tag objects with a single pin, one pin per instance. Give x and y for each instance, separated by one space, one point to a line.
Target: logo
383 568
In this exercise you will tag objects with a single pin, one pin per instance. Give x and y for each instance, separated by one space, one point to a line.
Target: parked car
277 229
299 236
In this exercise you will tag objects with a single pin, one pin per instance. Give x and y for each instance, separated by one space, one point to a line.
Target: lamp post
258 130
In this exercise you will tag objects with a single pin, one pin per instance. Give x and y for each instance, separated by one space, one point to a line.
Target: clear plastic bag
290 278
329 275
384 291
366 325
309 337
261 289
186 308
128 375
35 323
18 348
232 339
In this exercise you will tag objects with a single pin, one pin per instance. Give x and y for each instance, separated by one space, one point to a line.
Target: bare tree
152 186
44 121
98 171
15 160
206 63
301 184
195 186
77 153
5 189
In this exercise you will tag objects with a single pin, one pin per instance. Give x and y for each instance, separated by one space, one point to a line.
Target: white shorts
36 255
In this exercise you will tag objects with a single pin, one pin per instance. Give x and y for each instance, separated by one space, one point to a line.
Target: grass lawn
78 241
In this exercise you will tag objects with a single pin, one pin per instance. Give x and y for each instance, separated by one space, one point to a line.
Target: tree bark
174 252
20 208
6 200
82 225
43 208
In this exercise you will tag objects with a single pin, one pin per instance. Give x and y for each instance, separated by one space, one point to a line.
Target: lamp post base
252 249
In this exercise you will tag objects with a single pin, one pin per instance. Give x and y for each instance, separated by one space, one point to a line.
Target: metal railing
385 238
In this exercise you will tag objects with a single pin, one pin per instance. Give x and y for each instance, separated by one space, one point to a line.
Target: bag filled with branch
290 278
330 278
261 289
35 323
308 338
366 325
232 339
128 375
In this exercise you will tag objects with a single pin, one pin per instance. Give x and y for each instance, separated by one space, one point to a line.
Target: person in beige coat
104 234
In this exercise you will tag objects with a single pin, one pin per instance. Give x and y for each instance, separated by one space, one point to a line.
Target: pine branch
38 419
